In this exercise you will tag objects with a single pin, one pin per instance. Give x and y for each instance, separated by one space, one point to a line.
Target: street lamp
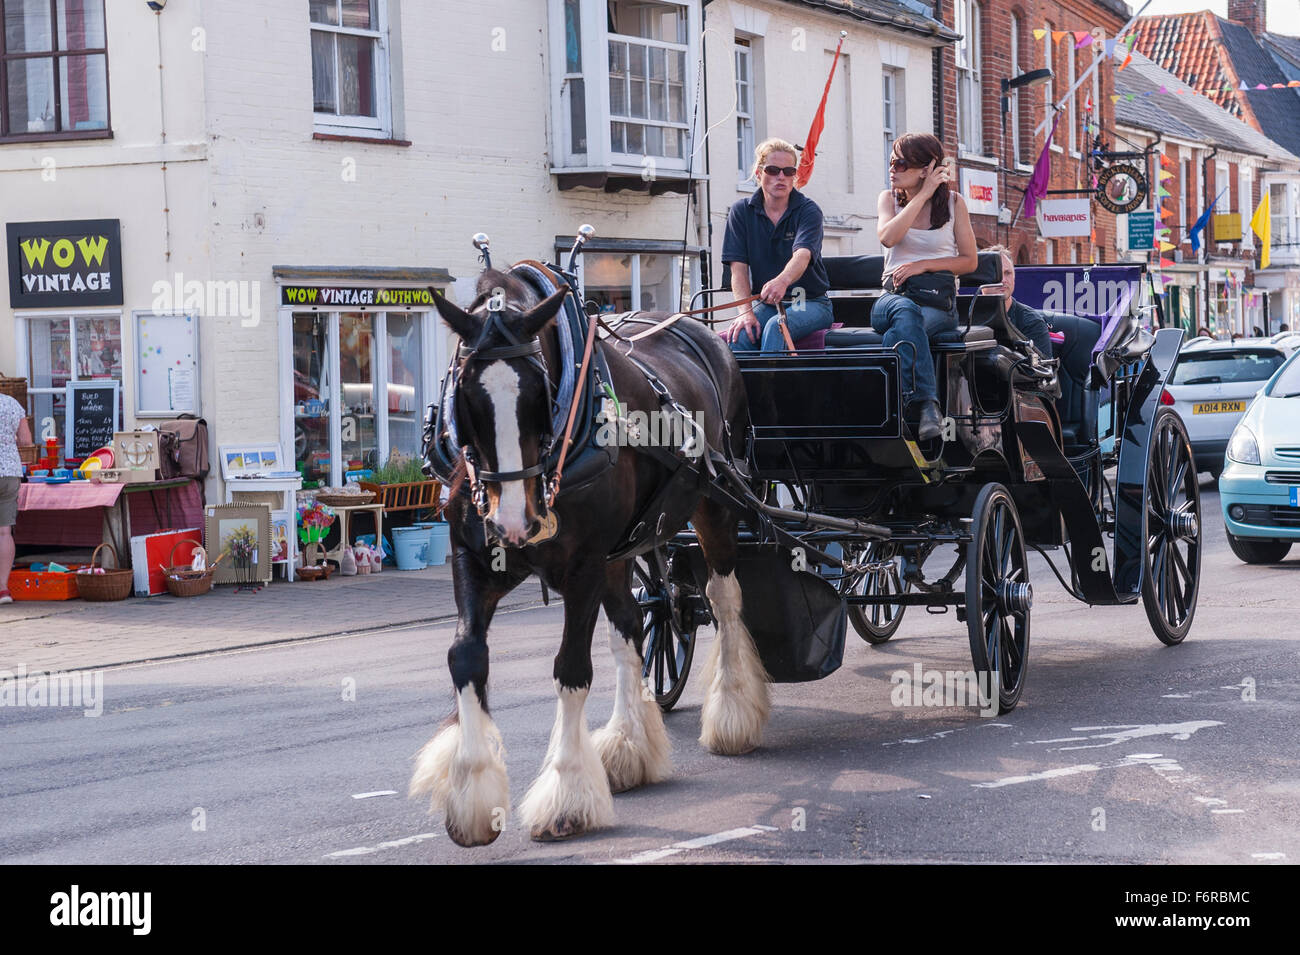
1023 81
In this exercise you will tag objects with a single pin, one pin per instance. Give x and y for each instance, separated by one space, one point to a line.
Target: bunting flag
1261 223
1162 192
1167 246
1165 174
1082 38
809 155
1166 263
1166 159
1039 33
1057 34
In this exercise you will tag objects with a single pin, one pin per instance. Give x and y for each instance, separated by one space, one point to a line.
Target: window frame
55 54
745 119
969 19
23 347
1072 108
892 76
1014 95
379 126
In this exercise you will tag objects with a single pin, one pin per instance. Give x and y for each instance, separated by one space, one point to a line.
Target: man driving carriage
773 244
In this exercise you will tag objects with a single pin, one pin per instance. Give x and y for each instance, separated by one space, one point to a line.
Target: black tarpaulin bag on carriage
796 618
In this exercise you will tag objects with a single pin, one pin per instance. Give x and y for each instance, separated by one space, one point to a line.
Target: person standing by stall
13 432
773 244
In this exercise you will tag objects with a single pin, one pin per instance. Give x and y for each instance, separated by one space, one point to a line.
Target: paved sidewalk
76 634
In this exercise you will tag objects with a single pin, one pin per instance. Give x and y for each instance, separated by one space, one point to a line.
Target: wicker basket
319 572
15 388
110 585
184 582
345 500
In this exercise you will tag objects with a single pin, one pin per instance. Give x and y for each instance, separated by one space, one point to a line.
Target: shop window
53 69
652 282
349 67
406 399
69 348
311 395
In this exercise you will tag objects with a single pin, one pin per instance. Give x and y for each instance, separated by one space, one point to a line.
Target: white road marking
1227 811
940 734
1268 855
1176 696
1129 732
1210 801
368 850
654 855
380 792
1034 777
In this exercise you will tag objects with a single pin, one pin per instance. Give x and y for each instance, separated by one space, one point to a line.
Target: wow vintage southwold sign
64 264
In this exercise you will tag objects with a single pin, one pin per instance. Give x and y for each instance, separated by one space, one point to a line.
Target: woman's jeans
899 319
802 320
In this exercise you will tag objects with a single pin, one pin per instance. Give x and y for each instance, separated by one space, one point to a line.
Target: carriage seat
977 336
1077 405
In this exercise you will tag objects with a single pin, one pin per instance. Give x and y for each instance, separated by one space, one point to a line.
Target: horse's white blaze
571 793
463 771
737 699
633 746
501 382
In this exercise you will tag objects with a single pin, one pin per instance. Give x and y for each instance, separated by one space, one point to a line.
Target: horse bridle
518 348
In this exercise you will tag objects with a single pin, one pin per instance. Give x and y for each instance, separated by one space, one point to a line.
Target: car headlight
1243 448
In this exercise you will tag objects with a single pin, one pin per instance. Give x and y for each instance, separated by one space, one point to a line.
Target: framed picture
238 531
252 461
283 525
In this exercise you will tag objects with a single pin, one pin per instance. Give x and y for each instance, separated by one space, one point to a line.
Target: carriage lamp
1023 81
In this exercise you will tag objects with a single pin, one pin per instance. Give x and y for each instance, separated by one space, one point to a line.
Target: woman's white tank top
925 243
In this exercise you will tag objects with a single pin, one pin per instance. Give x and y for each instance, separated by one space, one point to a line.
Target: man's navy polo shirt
767 249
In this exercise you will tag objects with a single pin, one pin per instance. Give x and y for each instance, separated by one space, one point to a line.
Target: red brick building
994 138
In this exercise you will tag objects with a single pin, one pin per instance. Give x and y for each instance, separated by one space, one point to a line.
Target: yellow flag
1262 224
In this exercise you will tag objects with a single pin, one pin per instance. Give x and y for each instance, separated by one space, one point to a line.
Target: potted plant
400 485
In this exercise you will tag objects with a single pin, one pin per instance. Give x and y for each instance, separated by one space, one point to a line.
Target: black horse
502 531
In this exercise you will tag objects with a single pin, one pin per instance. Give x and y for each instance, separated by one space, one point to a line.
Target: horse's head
503 401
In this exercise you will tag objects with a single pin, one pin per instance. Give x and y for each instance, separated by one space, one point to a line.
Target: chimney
1249 13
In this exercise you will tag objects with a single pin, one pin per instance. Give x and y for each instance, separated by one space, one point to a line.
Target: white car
1212 384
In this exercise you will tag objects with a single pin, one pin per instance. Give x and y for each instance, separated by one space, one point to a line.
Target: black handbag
932 290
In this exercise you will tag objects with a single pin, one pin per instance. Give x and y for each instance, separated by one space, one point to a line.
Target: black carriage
845 510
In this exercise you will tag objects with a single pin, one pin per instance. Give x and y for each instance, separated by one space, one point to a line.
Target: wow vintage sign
62 264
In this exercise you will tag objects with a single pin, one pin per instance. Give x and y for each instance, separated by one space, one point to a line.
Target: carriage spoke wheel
998 598
668 648
1171 560
876 623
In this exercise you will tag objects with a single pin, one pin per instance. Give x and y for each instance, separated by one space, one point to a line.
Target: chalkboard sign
92 416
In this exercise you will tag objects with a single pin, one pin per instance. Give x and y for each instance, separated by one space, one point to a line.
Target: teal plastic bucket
410 544
439 543
427 527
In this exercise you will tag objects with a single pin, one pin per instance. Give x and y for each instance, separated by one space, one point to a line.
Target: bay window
623 92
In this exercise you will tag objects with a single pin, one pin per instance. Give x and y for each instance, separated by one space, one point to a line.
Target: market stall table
85 514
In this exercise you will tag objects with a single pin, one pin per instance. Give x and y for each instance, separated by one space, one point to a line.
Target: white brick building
294 148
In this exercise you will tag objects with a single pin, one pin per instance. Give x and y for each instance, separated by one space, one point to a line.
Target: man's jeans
899 319
813 316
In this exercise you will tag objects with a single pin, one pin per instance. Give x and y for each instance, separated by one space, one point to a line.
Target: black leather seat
1077 405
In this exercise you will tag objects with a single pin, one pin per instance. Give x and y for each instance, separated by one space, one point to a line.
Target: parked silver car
1212 384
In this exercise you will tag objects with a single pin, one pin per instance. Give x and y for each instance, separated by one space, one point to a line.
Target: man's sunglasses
788 171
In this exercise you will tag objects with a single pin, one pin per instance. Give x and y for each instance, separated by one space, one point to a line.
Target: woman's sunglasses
898 165
787 171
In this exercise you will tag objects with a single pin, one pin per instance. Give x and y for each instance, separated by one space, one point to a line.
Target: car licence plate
1217 407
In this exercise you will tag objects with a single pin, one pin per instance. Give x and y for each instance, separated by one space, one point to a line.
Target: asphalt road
1121 750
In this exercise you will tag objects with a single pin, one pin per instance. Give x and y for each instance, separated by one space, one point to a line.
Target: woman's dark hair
918 150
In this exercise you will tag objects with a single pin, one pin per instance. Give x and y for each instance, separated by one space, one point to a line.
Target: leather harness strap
554 489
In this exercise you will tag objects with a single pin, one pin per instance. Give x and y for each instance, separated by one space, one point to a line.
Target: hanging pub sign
1061 218
64 264
348 296
1121 188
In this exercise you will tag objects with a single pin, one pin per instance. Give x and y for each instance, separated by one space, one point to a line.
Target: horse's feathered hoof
558 831
468 841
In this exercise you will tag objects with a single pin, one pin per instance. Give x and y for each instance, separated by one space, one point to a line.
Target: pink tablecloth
72 515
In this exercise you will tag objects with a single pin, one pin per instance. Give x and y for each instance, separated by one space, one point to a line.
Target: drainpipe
704 234
1205 189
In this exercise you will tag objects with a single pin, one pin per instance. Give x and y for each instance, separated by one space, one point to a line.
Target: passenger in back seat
1027 320
924 228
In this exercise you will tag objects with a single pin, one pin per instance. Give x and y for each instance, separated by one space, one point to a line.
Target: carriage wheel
668 648
998 597
1171 562
876 623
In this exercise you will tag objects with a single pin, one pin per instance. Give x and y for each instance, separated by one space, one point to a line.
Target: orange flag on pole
815 131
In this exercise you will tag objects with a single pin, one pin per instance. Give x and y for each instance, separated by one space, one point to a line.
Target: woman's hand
935 175
745 322
773 291
906 271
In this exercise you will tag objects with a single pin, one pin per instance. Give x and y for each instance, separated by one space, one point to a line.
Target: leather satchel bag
932 290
